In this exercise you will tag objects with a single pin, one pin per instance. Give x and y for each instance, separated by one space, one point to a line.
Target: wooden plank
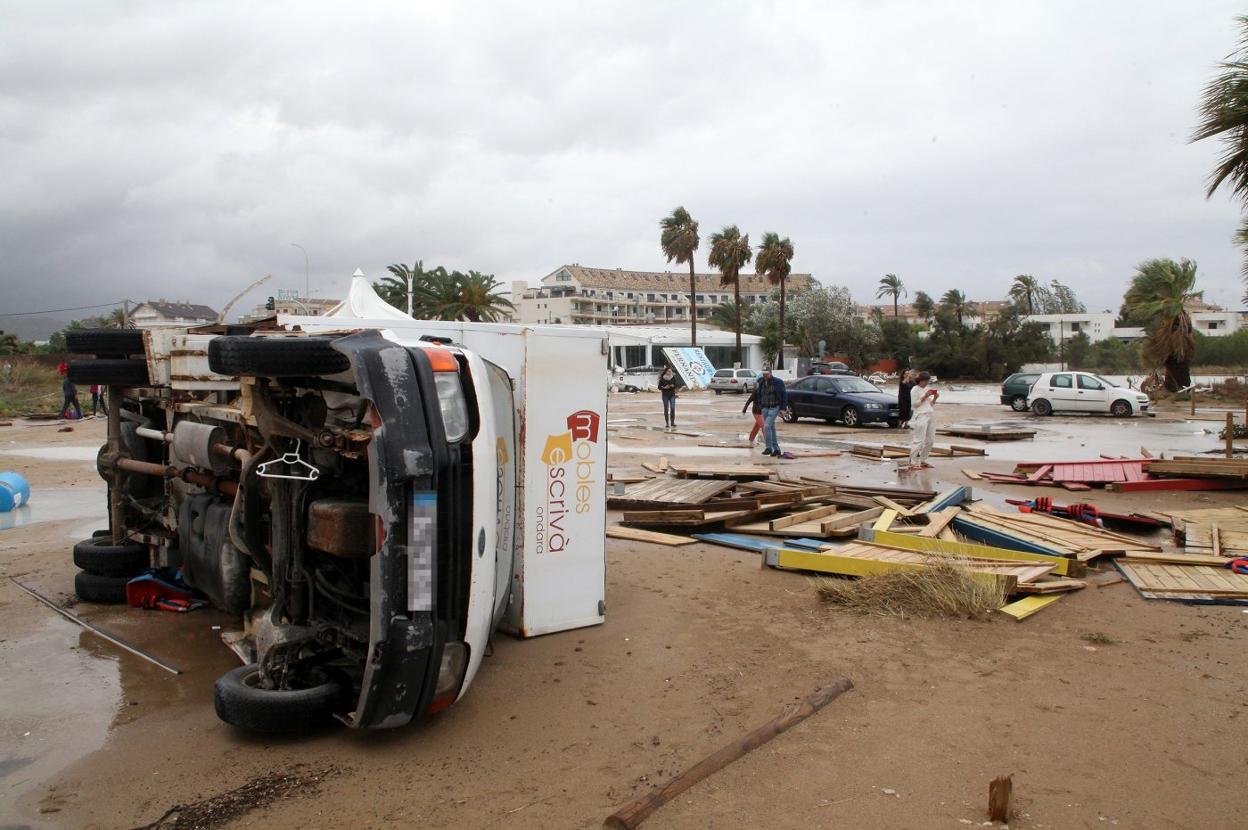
654 468
1217 540
850 520
847 565
939 521
1025 607
971 474
885 501
638 535
1062 565
885 520
804 516
1051 586
660 516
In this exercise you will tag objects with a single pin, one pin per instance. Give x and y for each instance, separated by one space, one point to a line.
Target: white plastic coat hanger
292 460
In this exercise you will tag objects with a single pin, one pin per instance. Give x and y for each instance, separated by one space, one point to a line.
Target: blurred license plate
422 534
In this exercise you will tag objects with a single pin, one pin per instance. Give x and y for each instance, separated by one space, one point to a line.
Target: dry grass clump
944 588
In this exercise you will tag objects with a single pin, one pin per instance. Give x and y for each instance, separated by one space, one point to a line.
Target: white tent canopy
362 303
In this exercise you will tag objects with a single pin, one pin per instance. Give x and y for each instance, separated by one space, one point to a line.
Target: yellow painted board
1025 607
885 521
831 563
908 541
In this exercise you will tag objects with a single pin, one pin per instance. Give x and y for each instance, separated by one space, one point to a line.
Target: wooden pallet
666 490
734 472
1233 468
1184 579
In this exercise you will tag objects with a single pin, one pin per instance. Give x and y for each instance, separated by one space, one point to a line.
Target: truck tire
105 342
239 701
275 356
100 556
108 372
103 590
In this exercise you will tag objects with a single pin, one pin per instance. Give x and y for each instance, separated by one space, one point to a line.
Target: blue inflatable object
14 491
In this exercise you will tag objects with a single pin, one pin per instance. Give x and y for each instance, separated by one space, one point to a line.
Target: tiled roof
181 311
617 278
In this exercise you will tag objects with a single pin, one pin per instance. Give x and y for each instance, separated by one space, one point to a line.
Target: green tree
891 285
924 305
1158 295
729 251
471 296
725 315
1079 351
1024 289
773 262
1224 115
955 302
1067 302
678 237
394 289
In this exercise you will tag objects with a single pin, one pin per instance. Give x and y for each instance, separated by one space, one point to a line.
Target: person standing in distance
667 388
772 397
922 421
903 399
752 401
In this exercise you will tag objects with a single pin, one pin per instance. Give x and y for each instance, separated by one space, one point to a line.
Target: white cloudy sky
176 149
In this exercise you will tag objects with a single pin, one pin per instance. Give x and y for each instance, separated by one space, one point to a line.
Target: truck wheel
1018 403
1120 409
107 342
108 372
240 701
104 590
1042 407
275 356
100 556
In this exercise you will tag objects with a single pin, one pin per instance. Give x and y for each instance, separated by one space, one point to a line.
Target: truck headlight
450 676
454 406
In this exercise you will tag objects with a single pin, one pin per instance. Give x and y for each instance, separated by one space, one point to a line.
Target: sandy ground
699 647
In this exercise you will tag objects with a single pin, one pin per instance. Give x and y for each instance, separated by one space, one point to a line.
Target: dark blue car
852 401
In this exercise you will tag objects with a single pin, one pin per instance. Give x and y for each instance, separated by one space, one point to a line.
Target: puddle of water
54 505
61 697
57 453
657 450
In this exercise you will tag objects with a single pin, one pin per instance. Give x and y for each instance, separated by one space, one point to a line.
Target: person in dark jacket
903 399
752 400
667 388
70 404
772 397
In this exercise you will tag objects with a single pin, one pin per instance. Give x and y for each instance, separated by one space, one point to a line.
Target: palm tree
679 240
954 301
924 305
729 251
479 300
1158 295
1224 113
403 287
890 284
1025 287
772 262
725 315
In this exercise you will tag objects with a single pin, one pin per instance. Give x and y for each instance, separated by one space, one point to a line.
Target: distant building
1210 321
154 314
602 296
981 311
309 307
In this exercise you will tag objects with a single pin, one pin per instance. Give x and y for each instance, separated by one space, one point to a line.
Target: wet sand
700 645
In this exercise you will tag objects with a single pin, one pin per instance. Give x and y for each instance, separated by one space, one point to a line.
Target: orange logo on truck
570 479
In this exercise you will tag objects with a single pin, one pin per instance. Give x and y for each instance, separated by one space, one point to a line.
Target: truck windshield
505 450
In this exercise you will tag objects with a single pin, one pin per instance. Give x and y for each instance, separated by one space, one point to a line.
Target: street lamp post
306 283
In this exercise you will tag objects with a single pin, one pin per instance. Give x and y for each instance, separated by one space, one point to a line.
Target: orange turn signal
442 360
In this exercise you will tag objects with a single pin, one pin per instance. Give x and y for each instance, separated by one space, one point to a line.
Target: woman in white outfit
922 421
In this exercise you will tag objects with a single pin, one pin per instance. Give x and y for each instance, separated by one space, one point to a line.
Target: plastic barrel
14 491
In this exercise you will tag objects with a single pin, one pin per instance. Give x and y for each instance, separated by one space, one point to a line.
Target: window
650 298
1090 383
701 298
806 384
1074 327
724 373
745 373
1060 382
825 385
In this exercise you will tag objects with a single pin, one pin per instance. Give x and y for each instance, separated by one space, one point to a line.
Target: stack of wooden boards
1214 531
891 451
1129 474
987 432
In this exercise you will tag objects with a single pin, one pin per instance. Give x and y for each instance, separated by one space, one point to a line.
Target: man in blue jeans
772 397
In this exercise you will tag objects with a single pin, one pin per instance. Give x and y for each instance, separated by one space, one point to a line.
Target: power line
57 310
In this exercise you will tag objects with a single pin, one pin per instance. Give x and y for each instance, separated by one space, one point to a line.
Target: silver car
734 380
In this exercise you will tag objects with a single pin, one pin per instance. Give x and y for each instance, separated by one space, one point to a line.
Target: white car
1083 392
734 380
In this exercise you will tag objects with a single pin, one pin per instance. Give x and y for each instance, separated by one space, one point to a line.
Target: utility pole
125 314
306 290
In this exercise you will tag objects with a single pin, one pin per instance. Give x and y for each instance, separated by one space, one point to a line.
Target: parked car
1083 392
734 380
834 367
852 401
1015 388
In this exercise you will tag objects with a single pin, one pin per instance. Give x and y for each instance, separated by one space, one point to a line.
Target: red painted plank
1178 484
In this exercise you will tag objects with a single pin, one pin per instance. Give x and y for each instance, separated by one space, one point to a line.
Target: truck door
505 459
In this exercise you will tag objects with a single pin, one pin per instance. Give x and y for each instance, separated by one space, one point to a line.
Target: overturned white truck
372 500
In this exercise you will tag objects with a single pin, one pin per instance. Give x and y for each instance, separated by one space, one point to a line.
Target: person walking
923 421
97 399
667 388
772 397
71 399
903 400
752 401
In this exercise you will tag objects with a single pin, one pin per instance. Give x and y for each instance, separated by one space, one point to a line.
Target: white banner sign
692 365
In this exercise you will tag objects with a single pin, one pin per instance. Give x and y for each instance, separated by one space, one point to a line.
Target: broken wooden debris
987 432
638 535
1023 608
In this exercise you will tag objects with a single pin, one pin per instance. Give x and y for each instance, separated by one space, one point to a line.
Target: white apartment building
153 314
1101 325
604 296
